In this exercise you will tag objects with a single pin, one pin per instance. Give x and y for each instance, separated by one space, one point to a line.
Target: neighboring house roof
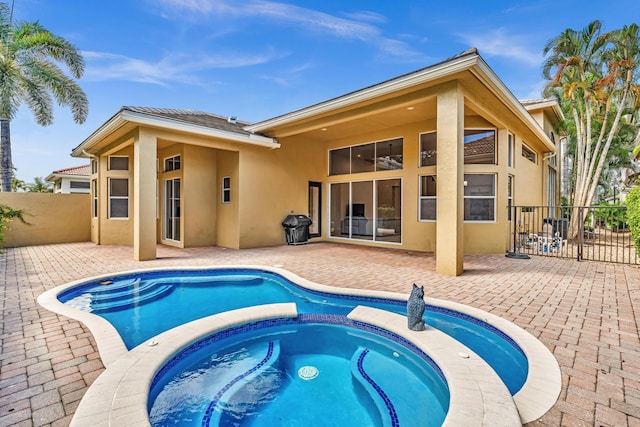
483 147
194 122
83 171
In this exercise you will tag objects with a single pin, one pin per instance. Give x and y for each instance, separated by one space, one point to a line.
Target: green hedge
633 215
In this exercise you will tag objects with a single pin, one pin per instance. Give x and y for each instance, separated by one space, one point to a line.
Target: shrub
8 214
633 215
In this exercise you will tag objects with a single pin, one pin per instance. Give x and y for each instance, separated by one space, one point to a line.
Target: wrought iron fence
595 233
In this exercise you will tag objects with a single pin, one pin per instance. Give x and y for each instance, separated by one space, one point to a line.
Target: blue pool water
143 305
299 373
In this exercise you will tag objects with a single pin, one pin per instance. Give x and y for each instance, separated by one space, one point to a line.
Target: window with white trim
94 166
370 157
529 154
226 189
511 150
118 163
480 197
172 163
118 198
94 195
427 207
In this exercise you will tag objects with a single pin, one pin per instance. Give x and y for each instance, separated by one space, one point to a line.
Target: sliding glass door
367 210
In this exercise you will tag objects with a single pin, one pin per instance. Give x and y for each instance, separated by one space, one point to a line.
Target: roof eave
431 73
500 90
124 116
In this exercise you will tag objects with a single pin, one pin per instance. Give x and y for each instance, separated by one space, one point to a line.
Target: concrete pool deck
585 313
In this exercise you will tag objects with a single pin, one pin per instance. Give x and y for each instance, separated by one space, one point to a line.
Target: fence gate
595 233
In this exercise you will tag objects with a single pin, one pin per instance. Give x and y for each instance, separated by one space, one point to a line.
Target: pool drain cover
308 372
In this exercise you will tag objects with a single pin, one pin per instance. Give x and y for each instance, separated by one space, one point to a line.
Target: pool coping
535 398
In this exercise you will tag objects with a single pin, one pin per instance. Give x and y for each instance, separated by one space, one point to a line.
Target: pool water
141 306
299 374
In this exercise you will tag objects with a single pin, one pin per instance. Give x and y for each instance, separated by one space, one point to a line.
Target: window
428 149
118 163
529 154
94 196
512 150
94 167
78 184
479 147
118 198
551 193
172 164
371 157
226 189
509 196
479 197
427 208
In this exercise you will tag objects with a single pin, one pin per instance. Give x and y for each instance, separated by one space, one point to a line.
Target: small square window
172 164
118 163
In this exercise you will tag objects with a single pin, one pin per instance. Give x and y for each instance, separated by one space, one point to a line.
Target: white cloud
499 43
356 26
171 68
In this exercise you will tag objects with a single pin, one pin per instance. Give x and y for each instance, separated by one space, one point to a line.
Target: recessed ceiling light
410 108
324 129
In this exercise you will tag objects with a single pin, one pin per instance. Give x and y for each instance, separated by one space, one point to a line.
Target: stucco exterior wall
52 218
199 196
273 184
227 217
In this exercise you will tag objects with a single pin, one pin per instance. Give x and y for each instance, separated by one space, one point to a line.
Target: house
74 180
427 161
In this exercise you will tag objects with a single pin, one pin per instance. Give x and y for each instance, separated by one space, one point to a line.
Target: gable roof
468 61
190 121
201 118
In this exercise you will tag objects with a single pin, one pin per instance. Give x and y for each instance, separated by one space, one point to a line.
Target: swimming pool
142 305
291 371
132 370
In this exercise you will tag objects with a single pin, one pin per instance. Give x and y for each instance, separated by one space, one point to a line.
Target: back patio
584 312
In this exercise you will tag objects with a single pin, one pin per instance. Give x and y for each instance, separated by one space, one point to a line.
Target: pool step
149 293
266 356
365 375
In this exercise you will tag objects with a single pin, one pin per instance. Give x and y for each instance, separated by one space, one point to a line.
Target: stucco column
450 182
144 196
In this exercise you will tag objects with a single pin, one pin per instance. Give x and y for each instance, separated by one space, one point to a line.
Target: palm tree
30 73
39 185
594 75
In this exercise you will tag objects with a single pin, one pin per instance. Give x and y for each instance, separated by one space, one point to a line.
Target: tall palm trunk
6 165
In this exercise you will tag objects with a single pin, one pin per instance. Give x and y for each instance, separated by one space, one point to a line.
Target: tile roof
83 170
229 124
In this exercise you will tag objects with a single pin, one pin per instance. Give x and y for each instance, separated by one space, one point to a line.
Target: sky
257 59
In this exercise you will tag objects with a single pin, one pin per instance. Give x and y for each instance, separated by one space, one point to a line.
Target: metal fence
595 233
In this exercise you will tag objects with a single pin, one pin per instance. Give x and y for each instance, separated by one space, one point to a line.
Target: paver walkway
586 313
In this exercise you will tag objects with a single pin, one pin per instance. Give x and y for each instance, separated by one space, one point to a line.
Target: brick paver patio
585 313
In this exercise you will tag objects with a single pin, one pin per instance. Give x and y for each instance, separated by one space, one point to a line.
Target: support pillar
144 196
450 182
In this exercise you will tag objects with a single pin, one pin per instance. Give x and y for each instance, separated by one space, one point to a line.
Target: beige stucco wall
199 196
52 218
273 183
227 217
